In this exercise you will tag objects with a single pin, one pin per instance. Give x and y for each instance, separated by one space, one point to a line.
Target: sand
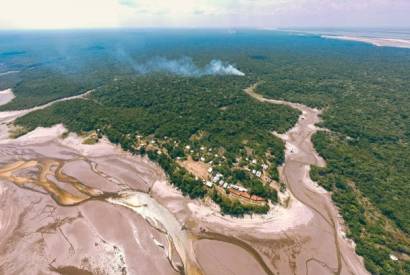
299 155
379 42
196 168
94 236
6 96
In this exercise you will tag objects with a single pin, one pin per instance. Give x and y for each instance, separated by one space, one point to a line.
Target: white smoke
186 67
219 68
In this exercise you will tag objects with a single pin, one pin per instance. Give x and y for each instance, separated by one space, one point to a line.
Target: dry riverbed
123 217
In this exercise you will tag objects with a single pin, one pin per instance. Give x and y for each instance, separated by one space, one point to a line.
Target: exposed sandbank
379 42
6 96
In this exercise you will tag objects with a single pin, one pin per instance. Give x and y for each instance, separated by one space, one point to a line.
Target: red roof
246 195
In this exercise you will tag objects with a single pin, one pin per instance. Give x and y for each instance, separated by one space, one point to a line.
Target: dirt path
300 154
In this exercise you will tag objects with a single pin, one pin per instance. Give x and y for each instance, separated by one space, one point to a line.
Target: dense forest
209 112
363 90
366 98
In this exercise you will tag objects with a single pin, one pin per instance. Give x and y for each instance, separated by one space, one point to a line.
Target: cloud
202 13
129 3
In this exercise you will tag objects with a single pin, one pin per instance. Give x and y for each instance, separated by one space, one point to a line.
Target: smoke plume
186 67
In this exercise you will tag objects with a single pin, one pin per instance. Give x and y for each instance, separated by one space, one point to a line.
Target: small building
258 174
209 183
242 189
202 159
210 170
239 188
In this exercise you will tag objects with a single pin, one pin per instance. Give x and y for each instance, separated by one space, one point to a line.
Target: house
233 186
242 189
202 159
239 188
225 185
209 184
258 174
210 170
188 147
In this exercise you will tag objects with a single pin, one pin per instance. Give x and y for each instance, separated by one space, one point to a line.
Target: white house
209 183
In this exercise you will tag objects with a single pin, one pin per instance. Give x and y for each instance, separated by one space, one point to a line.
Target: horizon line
282 28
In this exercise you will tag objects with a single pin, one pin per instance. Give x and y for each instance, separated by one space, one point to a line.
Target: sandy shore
6 96
379 42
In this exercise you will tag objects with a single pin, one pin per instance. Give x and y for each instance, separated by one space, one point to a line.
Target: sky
72 14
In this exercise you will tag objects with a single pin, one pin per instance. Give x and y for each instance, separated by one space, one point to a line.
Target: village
211 167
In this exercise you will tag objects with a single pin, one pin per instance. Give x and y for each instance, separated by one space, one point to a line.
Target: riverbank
379 42
6 96
300 154
305 237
